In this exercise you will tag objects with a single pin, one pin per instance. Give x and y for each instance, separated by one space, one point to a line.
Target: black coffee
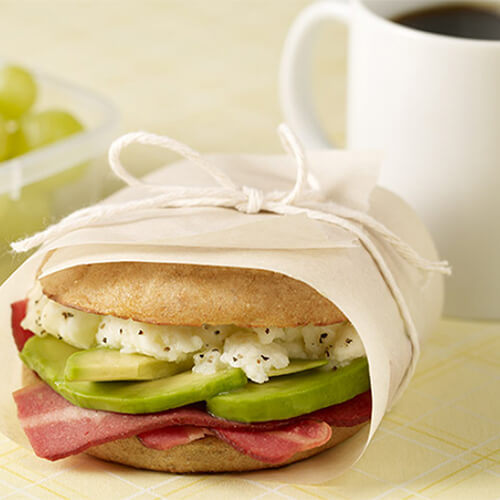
465 20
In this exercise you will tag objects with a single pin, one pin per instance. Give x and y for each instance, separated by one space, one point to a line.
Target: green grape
39 129
17 91
7 265
19 218
9 261
61 179
5 140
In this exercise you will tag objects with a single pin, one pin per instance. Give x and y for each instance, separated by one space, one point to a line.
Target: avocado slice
103 365
297 365
153 395
292 395
48 357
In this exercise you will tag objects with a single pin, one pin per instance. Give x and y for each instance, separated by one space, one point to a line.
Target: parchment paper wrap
324 256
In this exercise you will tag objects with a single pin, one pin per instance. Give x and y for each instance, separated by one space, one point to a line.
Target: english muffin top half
191 295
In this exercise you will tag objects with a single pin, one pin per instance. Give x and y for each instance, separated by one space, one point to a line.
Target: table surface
206 73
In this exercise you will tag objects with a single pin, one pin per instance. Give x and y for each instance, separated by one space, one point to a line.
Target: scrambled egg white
255 350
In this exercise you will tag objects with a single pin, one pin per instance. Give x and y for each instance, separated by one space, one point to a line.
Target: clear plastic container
41 186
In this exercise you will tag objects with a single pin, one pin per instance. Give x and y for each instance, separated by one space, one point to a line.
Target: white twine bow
300 200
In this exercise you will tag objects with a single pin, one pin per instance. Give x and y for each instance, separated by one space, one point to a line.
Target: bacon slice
18 312
168 437
269 446
57 428
275 447
347 414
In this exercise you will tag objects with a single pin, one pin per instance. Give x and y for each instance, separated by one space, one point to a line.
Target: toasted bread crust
209 454
184 294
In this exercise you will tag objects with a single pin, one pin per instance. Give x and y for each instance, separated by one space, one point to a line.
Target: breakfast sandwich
186 368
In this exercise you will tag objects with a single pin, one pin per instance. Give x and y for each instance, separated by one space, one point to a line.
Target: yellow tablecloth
206 73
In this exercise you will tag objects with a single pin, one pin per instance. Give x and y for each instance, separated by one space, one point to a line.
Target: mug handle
295 81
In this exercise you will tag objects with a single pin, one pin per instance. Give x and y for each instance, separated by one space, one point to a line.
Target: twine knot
255 200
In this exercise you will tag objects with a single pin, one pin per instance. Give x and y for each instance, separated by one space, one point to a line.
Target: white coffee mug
431 103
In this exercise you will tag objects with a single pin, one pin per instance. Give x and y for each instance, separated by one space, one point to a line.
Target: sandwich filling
270 393
211 348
